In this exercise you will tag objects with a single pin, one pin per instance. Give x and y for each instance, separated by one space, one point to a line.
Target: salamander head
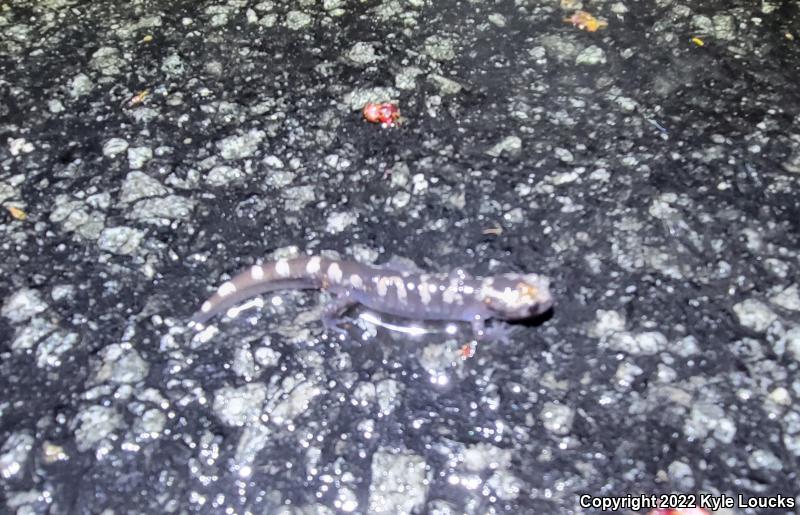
516 296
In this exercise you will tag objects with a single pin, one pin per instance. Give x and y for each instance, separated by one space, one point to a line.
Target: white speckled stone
296 20
120 240
362 53
14 454
788 298
607 322
139 185
439 48
121 365
338 222
139 156
95 423
592 55
238 406
114 146
754 314
240 146
22 305
557 418
224 175
398 483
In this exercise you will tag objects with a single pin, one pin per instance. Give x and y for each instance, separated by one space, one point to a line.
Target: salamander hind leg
332 316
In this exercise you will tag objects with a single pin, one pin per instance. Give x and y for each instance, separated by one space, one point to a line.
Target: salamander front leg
332 316
498 331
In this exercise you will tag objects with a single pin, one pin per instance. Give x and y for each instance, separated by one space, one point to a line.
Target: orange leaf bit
467 350
586 21
138 98
16 213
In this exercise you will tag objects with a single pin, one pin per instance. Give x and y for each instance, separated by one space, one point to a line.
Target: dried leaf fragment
494 231
17 213
585 21
138 98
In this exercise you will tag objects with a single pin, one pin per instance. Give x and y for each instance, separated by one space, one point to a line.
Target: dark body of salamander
453 296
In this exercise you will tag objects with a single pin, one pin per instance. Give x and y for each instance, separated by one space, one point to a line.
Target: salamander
455 296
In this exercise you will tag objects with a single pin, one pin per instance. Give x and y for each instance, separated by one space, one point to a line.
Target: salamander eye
535 293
